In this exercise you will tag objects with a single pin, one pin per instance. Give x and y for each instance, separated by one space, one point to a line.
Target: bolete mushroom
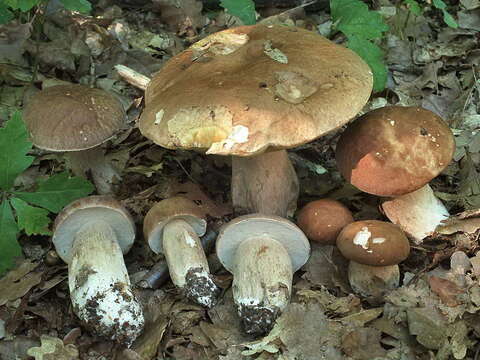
394 152
374 248
262 252
251 92
172 227
76 120
322 220
91 235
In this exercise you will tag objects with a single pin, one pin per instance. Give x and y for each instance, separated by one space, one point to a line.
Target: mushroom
322 220
91 235
262 252
374 248
394 152
76 119
258 90
172 227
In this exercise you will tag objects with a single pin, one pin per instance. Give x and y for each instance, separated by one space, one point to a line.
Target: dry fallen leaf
447 290
53 349
19 281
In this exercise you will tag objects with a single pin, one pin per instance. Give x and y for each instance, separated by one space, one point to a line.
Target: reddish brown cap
166 210
373 242
92 208
72 117
394 150
246 89
322 220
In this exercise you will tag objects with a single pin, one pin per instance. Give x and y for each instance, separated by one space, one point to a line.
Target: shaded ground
434 315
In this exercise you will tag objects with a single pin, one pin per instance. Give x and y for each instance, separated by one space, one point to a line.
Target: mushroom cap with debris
244 90
72 117
394 150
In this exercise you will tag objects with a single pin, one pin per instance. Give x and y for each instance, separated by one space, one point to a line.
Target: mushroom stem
133 77
93 160
265 183
99 284
187 263
367 280
417 213
262 282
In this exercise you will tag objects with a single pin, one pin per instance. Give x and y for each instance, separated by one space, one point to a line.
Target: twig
133 77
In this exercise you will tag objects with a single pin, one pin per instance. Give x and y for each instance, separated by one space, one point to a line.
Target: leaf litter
433 314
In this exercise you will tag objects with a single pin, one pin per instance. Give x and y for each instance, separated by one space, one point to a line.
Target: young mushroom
262 252
172 227
91 235
374 248
76 120
258 91
394 152
322 220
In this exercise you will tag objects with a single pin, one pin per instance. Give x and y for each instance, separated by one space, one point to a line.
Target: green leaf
23 5
373 56
353 18
32 219
14 146
243 9
414 7
439 4
9 247
449 20
82 6
5 14
57 191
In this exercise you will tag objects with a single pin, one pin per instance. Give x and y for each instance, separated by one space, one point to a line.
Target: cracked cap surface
244 90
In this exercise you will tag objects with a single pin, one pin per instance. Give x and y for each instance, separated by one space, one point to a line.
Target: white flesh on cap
99 284
368 281
265 183
104 175
262 252
417 213
262 282
187 262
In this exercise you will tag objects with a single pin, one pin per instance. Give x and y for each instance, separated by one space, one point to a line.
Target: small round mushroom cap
394 150
167 210
322 220
373 242
257 225
92 208
255 87
72 117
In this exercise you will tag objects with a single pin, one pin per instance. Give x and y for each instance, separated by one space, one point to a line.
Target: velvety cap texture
246 89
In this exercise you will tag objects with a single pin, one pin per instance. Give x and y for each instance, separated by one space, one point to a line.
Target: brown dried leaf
19 281
363 344
53 349
182 16
446 290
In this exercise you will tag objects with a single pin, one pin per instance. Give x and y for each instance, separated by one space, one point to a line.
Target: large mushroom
172 227
374 248
76 120
251 92
91 235
395 152
262 252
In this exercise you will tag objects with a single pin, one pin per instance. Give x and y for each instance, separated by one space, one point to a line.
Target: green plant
8 7
243 9
362 26
417 9
16 211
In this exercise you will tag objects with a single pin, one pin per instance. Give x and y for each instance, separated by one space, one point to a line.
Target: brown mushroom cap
166 210
72 117
224 92
92 208
394 150
373 242
322 220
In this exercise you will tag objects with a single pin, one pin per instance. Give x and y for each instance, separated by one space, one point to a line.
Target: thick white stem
187 262
262 282
374 281
133 77
417 213
104 175
266 184
100 286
